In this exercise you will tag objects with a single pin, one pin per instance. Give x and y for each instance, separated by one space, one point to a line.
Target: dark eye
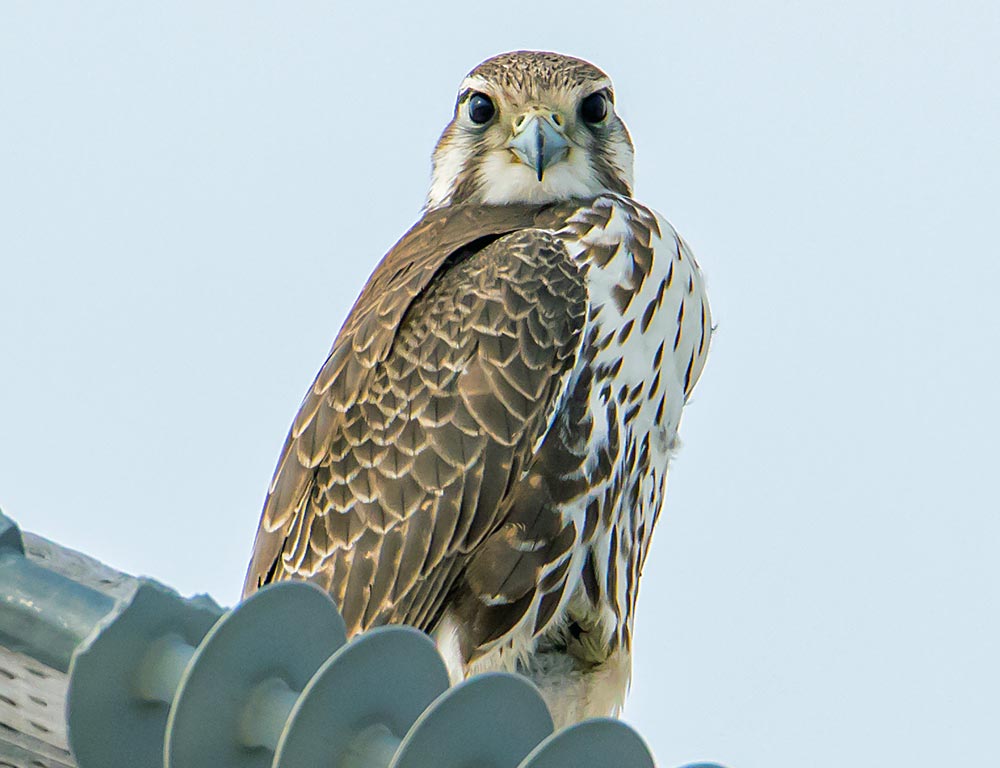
481 108
594 108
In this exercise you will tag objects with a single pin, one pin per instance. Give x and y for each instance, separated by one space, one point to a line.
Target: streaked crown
532 127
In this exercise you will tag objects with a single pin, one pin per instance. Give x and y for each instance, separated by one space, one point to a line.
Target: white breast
658 343
647 353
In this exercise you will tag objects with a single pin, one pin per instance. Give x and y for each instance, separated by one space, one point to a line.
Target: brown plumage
483 453
424 413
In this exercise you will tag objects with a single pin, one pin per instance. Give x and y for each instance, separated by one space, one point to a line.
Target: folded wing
406 450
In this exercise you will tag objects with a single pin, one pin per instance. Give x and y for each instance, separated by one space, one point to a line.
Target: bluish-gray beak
538 143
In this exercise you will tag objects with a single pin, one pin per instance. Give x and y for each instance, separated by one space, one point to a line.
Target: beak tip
538 144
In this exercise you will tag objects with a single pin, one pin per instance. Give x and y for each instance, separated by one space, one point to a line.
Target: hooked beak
537 141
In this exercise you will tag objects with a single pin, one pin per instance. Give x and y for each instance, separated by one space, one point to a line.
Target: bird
483 454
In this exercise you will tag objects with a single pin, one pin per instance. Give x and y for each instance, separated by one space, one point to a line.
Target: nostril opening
557 118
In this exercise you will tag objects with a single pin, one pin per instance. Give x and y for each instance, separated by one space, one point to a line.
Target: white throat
504 181
508 182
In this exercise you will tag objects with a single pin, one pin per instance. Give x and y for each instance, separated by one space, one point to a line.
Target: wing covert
406 449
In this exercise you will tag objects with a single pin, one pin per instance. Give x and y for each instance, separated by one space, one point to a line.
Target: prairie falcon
484 452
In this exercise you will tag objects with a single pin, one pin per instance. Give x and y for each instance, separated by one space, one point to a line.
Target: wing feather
406 449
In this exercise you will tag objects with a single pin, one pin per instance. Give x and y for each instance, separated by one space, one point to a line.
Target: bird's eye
594 108
481 108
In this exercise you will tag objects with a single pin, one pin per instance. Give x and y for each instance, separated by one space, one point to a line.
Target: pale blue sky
192 193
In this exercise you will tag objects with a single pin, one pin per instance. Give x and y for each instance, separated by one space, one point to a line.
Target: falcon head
532 127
